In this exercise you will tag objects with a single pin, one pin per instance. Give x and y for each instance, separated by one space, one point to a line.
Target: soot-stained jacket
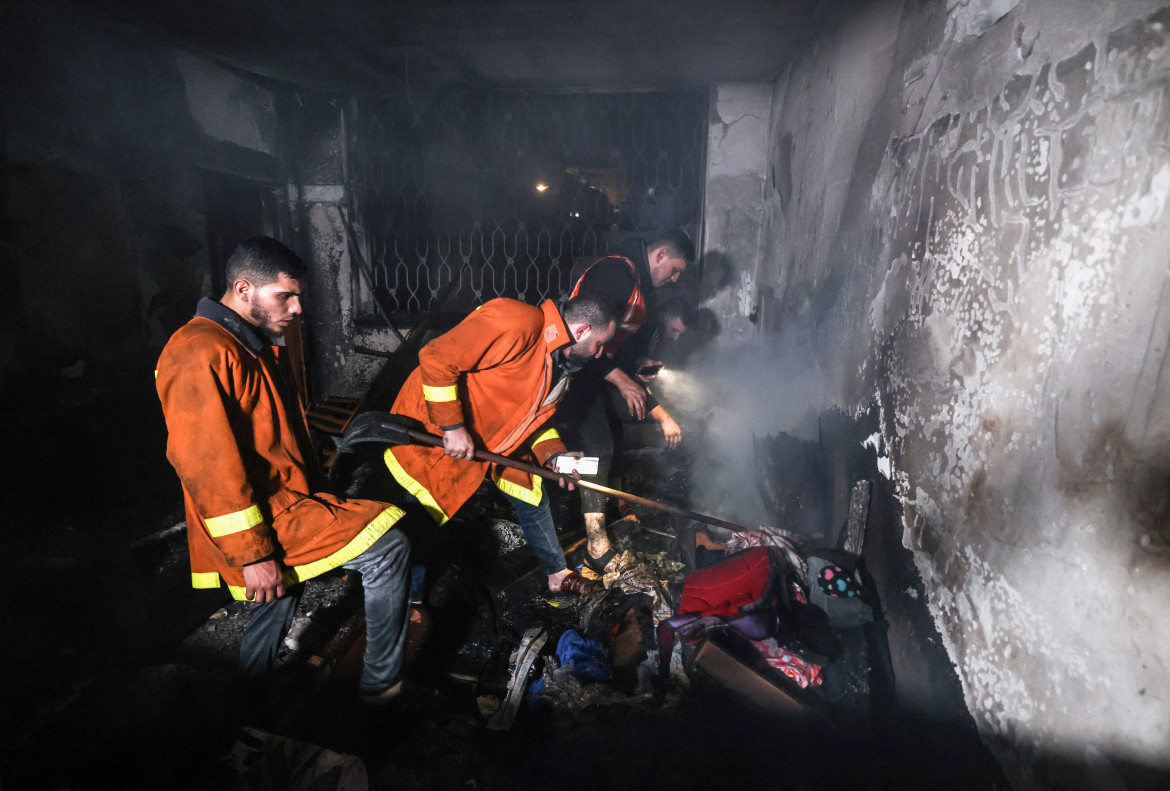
238 440
493 373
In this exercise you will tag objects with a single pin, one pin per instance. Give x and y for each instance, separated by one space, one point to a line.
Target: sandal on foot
597 565
575 583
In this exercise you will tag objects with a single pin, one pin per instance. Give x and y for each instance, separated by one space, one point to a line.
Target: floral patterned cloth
803 673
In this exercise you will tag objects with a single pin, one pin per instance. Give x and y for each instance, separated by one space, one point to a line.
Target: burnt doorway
235 209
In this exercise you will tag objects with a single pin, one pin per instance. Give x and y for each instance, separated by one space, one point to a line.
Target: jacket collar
227 318
635 251
556 332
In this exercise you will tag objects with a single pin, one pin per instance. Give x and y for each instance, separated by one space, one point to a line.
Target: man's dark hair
261 259
587 309
676 242
673 307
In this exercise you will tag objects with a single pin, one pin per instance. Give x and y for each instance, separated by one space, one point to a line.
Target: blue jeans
385 570
536 522
262 636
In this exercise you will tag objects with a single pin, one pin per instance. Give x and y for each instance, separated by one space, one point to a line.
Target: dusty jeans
536 522
385 570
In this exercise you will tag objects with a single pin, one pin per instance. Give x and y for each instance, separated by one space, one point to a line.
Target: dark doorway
236 209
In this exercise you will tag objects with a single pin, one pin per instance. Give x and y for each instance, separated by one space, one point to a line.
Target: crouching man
240 445
494 382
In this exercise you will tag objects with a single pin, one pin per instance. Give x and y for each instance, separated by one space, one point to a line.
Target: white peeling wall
733 206
965 218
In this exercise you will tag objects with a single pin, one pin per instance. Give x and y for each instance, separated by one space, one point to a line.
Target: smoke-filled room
639 396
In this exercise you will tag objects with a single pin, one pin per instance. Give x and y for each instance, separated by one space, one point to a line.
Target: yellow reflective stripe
546 436
531 496
298 574
234 523
206 579
240 592
360 543
449 393
414 487
156 373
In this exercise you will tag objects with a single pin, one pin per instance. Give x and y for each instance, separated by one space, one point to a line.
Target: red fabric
725 587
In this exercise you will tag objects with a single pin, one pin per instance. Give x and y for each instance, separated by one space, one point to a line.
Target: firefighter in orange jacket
494 382
240 445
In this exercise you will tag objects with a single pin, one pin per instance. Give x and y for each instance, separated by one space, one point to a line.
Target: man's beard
576 356
263 322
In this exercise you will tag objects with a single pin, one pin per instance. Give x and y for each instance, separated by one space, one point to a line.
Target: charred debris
779 677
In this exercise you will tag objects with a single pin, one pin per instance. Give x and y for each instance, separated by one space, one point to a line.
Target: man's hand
263 581
567 478
670 429
458 444
632 392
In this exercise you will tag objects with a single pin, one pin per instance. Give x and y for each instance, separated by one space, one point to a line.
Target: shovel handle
423 438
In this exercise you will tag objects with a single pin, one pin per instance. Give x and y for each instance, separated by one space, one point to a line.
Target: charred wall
107 139
115 146
964 221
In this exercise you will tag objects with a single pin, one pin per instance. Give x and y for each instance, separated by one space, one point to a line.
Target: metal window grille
468 197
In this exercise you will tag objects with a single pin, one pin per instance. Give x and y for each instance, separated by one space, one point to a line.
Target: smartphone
586 465
649 370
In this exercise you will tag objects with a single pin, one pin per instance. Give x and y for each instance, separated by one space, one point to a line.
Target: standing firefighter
494 382
240 444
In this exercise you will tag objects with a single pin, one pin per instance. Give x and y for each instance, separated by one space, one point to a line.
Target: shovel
389 429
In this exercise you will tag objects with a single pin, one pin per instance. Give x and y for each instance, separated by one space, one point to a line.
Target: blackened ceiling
375 46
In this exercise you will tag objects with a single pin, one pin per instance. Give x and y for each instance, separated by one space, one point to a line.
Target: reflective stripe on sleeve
545 436
206 579
414 487
234 523
531 496
440 394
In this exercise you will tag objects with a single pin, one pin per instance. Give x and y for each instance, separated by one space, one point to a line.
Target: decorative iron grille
468 197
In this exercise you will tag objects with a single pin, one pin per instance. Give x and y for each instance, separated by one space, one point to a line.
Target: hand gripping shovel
385 428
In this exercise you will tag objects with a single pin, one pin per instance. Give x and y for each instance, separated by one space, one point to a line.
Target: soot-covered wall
965 221
107 138
132 166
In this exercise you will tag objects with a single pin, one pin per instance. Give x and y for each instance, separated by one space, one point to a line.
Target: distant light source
541 186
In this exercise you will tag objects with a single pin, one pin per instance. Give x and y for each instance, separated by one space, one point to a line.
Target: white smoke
726 394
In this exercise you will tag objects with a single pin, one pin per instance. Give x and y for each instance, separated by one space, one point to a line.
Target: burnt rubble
591 703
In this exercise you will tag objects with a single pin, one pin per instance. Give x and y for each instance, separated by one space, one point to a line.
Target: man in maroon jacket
626 281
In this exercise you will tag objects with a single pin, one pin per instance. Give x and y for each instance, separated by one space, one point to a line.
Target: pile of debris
763 612
695 622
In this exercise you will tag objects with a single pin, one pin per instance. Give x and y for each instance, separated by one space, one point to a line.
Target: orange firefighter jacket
239 442
492 373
